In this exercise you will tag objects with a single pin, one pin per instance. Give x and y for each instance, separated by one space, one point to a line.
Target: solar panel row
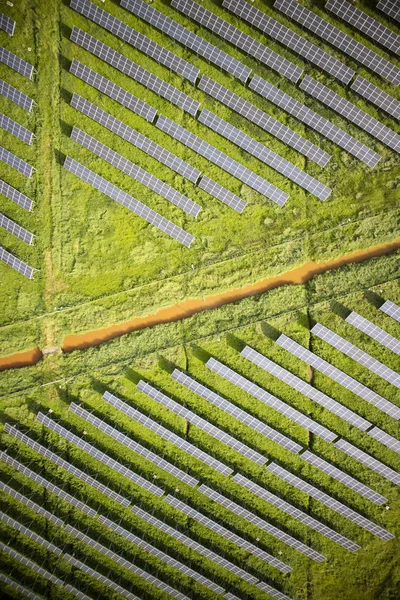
23 560
305 388
267 156
391 8
263 120
238 38
17 64
191 417
136 39
136 172
10 92
16 129
188 38
16 264
314 120
351 112
290 39
363 22
220 159
19 588
7 24
30 504
129 202
375 332
226 196
166 434
385 439
391 309
369 461
29 533
377 96
15 162
128 67
16 196
265 587
339 40
15 229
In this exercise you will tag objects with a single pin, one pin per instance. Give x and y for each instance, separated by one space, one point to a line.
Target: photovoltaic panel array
265 587
10 92
347 480
263 120
135 138
330 502
16 129
101 456
136 39
351 112
136 172
30 504
188 415
16 264
377 96
138 208
337 375
223 161
7 24
23 560
255 520
290 39
132 445
294 512
113 91
188 38
391 309
375 332
166 434
19 588
17 64
231 409
267 156
314 120
369 461
226 196
228 535
128 67
239 39
339 40
15 196
386 439
305 388
391 8
31 534
15 162
363 22
16 229
273 402
358 355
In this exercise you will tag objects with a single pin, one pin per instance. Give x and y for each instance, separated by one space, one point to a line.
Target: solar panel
77 593
390 7
134 446
227 534
375 332
7 24
391 309
17 64
16 264
128 535
377 96
231 409
136 172
385 439
30 504
273 402
188 415
337 375
267 527
128 67
369 461
239 39
363 22
15 229
18 587
347 480
30 564
263 120
46 484
16 196
338 39
265 587
136 39
29 533
101 456
166 434
358 355
226 196
135 138
129 202
330 502
294 512
314 120
351 112
15 162
16 129
220 159
305 388
57 460
10 92
113 91
188 38
267 156
290 39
